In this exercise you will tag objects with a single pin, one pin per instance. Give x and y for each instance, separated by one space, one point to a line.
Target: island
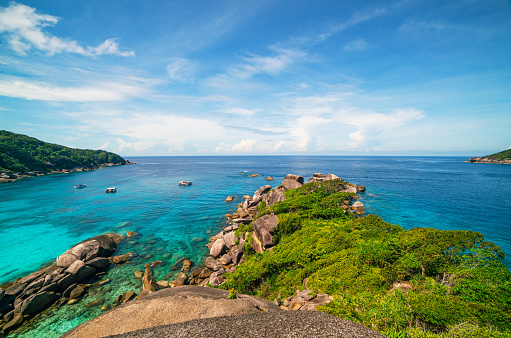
25 156
503 157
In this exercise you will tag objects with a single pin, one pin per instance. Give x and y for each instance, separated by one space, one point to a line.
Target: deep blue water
42 217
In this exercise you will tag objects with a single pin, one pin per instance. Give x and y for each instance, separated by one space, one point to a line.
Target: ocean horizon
44 216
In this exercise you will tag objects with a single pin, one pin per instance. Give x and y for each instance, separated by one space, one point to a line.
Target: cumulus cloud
93 93
372 125
104 146
132 145
305 131
354 45
23 29
181 70
245 146
142 131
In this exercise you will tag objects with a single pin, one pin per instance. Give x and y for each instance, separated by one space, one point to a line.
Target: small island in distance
24 156
503 157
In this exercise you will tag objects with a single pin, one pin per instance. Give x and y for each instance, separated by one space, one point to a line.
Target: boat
80 186
185 183
113 189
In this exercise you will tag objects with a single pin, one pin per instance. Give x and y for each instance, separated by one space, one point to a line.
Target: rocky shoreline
488 160
79 271
7 177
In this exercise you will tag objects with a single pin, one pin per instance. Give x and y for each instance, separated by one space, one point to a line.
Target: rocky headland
488 160
503 157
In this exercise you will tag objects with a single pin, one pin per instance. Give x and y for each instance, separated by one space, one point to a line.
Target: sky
408 77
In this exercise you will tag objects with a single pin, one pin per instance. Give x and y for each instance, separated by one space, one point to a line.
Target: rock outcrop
28 296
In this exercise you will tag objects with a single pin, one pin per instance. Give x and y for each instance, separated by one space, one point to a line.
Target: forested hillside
421 282
21 153
506 154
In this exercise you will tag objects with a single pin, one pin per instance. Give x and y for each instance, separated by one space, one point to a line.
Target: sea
42 217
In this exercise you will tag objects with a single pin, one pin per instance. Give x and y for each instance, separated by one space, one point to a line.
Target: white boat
80 186
185 183
112 189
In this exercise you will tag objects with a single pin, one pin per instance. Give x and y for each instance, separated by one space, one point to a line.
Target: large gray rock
258 195
292 182
230 239
16 321
263 228
75 267
98 262
98 246
331 177
276 196
218 248
211 263
35 304
15 289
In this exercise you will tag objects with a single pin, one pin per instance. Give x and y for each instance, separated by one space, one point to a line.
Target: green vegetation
20 153
506 154
420 282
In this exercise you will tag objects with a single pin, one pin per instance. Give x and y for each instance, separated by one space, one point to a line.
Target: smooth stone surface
35 303
218 248
191 311
170 306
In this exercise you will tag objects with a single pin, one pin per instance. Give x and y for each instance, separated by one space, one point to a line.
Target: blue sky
294 77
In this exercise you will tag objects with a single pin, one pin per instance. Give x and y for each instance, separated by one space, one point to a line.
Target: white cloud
271 65
104 146
372 125
42 91
181 70
244 146
241 111
359 44
23 28
305 131
142 131
355 19
132 145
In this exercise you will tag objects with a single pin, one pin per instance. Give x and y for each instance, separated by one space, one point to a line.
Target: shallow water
42 217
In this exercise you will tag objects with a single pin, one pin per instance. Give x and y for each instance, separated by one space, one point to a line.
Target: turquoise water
42 217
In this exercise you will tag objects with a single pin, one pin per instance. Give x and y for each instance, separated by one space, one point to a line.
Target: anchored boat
185 183
113 189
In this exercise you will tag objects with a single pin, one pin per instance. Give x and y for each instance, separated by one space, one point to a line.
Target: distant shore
7 177
488 160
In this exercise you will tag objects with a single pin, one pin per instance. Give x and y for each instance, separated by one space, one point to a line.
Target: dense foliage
506 154
20 153
393 280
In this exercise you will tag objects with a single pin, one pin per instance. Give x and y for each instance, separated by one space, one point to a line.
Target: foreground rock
169 306
205 312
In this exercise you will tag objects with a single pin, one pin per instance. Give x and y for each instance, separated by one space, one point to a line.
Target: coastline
488 160
8 177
